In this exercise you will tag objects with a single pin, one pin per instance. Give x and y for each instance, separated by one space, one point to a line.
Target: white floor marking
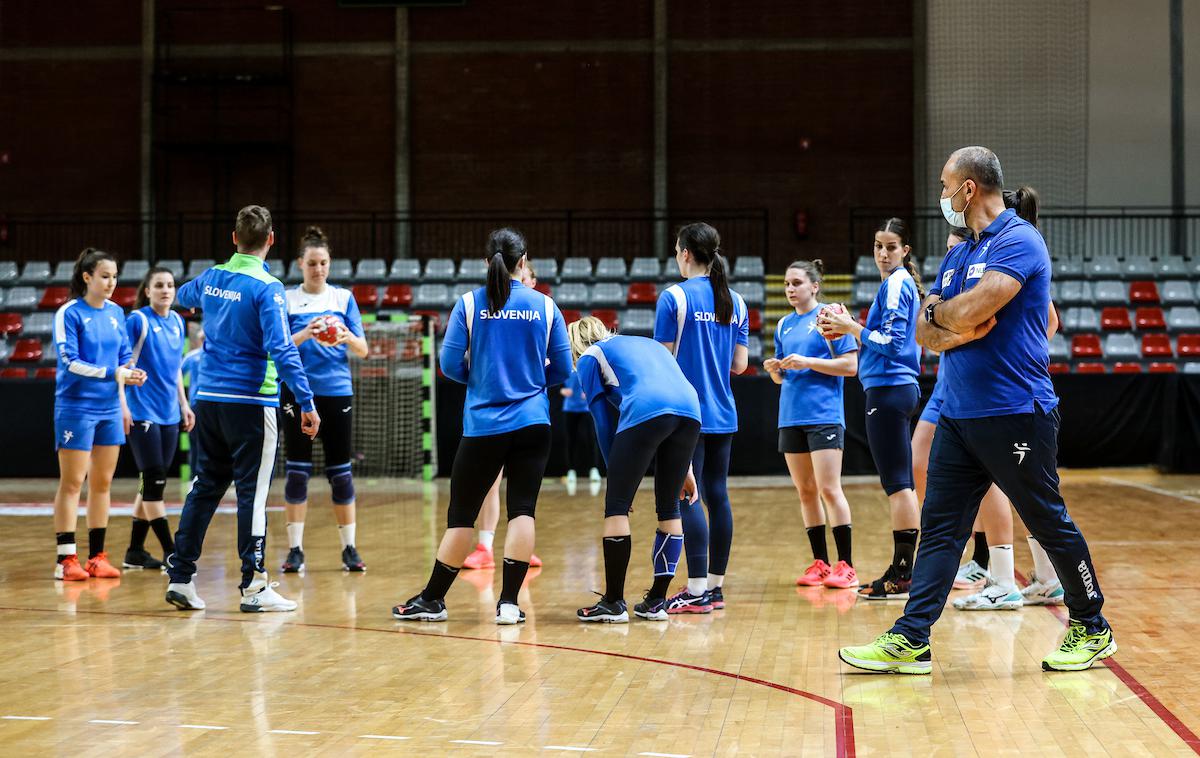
475 742
380 737
574 749
289 731
112 721
1150 488
200 726
26 718
667 755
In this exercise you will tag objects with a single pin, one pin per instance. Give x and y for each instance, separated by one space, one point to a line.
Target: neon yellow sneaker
889 653
1079 650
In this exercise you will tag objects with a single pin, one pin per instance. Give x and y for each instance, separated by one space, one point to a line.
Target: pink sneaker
814 574
480 559
534 561
843 577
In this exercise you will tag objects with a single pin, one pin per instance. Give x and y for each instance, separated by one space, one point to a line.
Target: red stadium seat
862 315
1059 368
1086 346
642 293
53 298
571 315
26 351
543 288
755 319
433 317
125 297
1115 320
10 323
1162 368
1127 368
608 316
1149 318
1156 346
13 373
1090 368
45 372
1143 292
397 296
750 371
366 295
1188 345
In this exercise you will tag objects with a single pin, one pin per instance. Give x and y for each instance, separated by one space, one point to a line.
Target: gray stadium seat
3 296
38 325
754 293
1191 367
174 265
1172 267
1138 267
1081 319
864 293
431 297
1055 292
608 295
573 295
1119 347
294 275
1068 269
929 267
576 270
341 271
1104 267
62 272
1074 292
645 270
748 267
611 270
405 270
1181 317
638 321
439 270
198 266
132 272
546 269
1059 349
22 299
865 268
755 349
35 272
1177 293
276 269
8 272
370 270
6 349
1111 293
473 271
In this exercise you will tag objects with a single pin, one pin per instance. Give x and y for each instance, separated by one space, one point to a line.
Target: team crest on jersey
947 278
113 321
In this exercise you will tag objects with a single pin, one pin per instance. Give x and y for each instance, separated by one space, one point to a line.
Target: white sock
295 531
715 581
346 534
697 586
1000 566
1042 566
486 538
68 549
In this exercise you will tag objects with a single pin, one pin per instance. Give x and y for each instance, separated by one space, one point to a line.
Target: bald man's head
978 164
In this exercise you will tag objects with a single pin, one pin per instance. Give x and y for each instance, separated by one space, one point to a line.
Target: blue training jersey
158 350
247 342
890 355
810 398
704 348
91 344
638 378
191 372
328 368
1007 372
576 402
507 359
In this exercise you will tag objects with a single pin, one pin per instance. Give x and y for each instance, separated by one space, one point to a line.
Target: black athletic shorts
807 439
336 432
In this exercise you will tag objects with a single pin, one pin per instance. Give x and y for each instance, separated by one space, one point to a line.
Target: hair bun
315 234
819 265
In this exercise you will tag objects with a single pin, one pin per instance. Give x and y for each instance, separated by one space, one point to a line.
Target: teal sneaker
1043 593
889 653
1079 650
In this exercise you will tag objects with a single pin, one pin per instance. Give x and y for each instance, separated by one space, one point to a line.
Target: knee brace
667 549
295 486
154 483
341 481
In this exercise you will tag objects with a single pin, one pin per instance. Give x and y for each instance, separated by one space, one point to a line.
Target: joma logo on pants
1089 585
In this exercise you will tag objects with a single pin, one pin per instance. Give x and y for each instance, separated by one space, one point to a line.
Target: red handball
329 335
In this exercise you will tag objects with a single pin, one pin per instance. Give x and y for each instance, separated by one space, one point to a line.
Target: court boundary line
1149 488
1165 715
843 715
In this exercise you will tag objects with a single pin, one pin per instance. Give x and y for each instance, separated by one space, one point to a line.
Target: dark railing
1081 233
549 234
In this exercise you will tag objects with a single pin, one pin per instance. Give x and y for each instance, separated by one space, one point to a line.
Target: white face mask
953 217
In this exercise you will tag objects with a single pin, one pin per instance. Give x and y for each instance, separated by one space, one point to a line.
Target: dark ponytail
703 242
897 227
86 264
505 249
142 301
1025 202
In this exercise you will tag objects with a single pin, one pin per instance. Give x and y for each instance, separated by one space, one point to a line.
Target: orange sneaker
99 567
69 570
843 577
814 574
480 559
534 561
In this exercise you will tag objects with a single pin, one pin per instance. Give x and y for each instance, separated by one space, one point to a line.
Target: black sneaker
295 561
890 586
420 609
717 598
651 609
350 559
605 611
140 559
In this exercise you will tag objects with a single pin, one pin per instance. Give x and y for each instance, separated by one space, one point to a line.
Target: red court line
842 714
1129 680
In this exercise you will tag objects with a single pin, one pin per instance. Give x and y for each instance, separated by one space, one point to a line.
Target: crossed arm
969 316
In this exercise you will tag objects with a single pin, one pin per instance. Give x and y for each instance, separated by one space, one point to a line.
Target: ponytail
506 247
897 227
1025 202
86 264
911 267
703 242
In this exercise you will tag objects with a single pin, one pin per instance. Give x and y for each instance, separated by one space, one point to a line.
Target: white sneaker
572 483
594 475
991 598
184 597
261 597
971 576
508 613
1043 593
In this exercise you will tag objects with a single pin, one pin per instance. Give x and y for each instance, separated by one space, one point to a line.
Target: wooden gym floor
106 667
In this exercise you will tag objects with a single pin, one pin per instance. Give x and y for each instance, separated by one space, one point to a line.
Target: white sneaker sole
181 601
1041 600
657 616
608 618
510 622
1008 606
1105 653
422 617
877 667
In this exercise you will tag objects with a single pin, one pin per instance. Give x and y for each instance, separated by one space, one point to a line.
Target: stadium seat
609 317
1172 267
126 297
929 267
3 297
638 322
1178 293
862 315
608 295
1085 346
1090 368
398 296
750 371
570 315
573 295
431 297
1159 367
1156 346
1149 318
439 270
132 272
341 271
431 316
1127 368
1059 349
26 351
198 266
8 273
546 269
366 295
1059 368
1075 293
1115 319
39 325
22 298
474 271
754 293
865 268
646 269
10 323
1143 292
1188 345
1110 293
371 271
1068 269
576 270
642 293
756 320
544 288
174 265
276 268
1191 367
45 372
407 270
1138 267
755 349
748 267
1178 318
53 298
63 270
12 372
611 270
294 274
1103 267
1081 319
35 272
1122 346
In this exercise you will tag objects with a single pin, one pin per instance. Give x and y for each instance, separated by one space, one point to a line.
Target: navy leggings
153 445
709 552
889 411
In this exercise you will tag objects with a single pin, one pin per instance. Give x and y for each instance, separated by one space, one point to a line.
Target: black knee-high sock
981 550
816 540
514 577
96 541
65 538
841 538
906 546
439 581
659 587
162 530
616 564
137 537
